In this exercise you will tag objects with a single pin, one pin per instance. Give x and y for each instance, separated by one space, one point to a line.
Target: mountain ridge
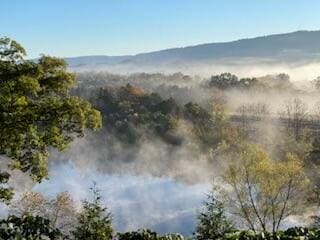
291 46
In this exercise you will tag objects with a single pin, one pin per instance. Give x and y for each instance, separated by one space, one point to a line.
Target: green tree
147 234
224 81
94 223
37 112
144 234
212 221
28 227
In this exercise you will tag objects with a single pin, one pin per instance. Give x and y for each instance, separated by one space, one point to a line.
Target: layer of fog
143 201
154 157
245 67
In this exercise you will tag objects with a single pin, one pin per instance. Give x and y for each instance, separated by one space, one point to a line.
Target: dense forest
258 138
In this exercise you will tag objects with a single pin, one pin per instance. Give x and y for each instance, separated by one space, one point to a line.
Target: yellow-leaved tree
61 210
262 191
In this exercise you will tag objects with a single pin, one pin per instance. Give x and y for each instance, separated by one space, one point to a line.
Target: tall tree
37 112
265 191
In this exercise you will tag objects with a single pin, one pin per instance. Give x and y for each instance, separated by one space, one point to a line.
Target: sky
68 28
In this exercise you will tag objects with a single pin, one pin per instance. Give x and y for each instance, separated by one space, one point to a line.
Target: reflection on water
161 204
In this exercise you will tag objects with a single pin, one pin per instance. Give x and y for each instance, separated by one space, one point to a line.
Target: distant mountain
288 47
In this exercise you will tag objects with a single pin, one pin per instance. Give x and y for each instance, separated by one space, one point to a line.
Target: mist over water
141 201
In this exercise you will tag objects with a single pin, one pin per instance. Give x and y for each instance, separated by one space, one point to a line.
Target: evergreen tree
212 221
94 223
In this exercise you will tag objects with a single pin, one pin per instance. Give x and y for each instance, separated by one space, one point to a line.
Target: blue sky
118 27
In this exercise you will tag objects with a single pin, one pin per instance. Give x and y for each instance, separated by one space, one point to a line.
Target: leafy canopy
265 191
28 227
37 111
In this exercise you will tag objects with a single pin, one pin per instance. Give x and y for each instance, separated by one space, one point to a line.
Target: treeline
129 112
186 88
132 114
141 105
34 216
269 82
158 82
39 218
150 81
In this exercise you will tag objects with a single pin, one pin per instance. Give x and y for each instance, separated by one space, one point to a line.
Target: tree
316 83
277 82
224 81
94 223
202 123
28 227
128 110
223 132
265 191
295 113
211 129
212 222
6 192
251 113
37 111
146 234
29 203
60 211
316 115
